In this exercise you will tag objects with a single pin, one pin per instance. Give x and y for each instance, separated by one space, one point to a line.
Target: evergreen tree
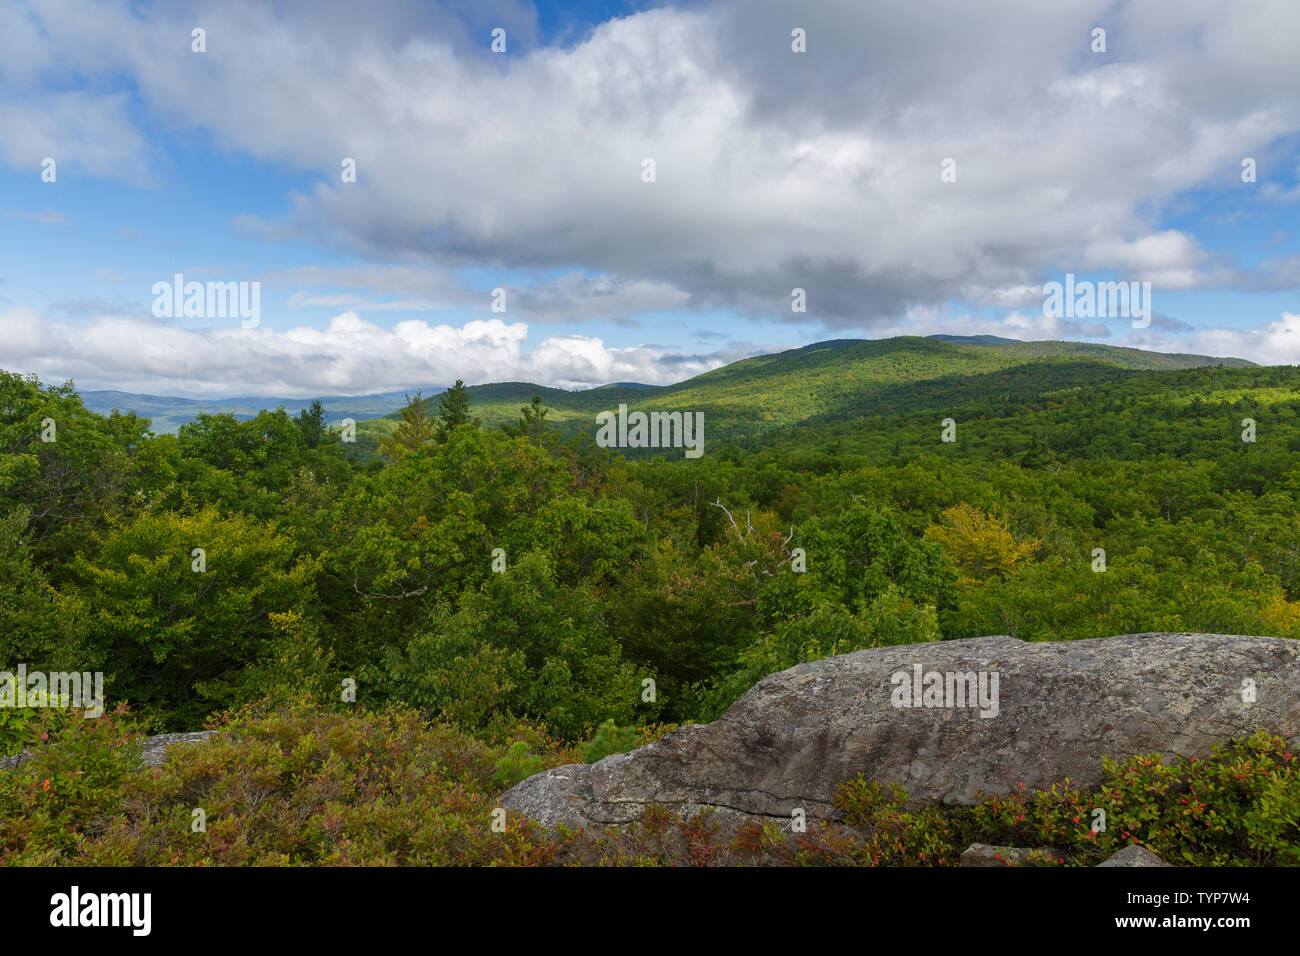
532 420
413 434
453 408
311 422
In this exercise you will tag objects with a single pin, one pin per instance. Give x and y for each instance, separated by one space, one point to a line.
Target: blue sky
775 169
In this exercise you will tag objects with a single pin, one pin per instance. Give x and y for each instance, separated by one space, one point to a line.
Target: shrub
295 784
1240 806
516 765
610 739
69 795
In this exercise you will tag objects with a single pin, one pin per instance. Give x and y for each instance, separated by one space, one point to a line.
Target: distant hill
168 413
817 382
773 390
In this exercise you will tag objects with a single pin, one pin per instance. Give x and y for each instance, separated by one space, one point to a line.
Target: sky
913 168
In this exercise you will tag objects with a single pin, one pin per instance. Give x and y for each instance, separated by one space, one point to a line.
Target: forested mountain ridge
830 381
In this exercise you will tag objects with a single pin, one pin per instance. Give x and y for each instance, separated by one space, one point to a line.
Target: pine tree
532 420
453 409
311 422
413 434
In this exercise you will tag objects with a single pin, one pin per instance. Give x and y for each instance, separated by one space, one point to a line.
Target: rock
795 736
152 753
981 854
155 748
1133 855
14 760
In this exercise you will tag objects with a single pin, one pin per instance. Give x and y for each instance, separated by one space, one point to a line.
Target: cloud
572 297
46 217
577 297
1275 343
1168 260
349 356
774 170
1168 323
86 133
1272 192
1272 343
1029 326
1276 273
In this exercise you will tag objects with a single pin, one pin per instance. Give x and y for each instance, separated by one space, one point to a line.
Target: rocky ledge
1044 712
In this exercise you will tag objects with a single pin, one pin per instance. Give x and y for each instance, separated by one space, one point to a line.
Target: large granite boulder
1050 711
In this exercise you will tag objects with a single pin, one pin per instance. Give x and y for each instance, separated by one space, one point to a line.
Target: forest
528 596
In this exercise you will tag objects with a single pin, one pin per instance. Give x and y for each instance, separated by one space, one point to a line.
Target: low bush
295 784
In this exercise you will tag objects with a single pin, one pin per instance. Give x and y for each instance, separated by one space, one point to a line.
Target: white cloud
1272 192
1168 260
89 133
349 356
1031 326
1276 343
775 169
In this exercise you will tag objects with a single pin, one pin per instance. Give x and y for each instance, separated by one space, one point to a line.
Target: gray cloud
1167 323
572 297
774 170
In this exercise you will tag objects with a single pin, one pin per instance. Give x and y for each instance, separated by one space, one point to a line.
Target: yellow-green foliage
981 546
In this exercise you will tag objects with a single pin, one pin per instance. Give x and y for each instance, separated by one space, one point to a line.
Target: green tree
40 626
182 604
453 408
532 420
311 422
247 466
69 467
521 645
420 531
413 434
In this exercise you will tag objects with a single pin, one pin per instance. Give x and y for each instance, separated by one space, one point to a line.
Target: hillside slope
826 381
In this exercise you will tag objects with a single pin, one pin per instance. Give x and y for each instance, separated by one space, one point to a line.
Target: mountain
168 412
823 382
803 385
